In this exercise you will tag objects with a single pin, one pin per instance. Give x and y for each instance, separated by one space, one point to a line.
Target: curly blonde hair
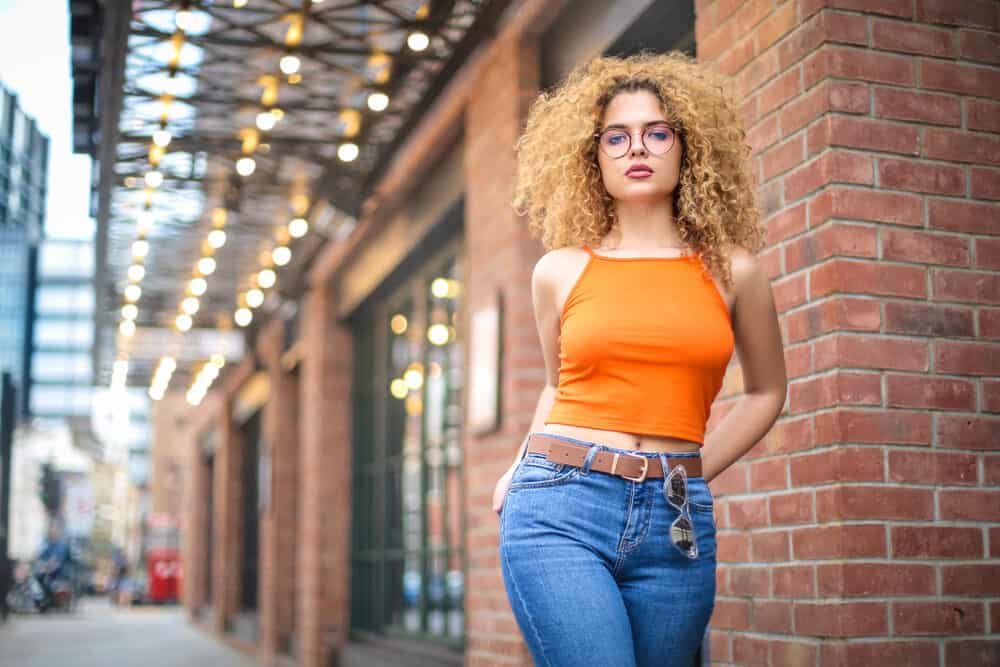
559 186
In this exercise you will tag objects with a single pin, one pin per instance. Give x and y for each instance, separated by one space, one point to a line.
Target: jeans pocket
535 470
700 495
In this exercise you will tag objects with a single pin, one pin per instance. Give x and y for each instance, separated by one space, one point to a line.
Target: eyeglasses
615 142
682 529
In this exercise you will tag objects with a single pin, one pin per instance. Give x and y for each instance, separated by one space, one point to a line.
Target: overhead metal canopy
296 86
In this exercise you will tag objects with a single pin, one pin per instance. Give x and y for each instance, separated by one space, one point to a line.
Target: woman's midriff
646 443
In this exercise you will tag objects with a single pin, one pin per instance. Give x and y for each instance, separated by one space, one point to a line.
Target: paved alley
100 635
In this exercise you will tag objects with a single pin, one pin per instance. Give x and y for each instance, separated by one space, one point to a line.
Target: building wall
863 525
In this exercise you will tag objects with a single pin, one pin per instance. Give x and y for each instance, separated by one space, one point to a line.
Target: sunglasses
682 529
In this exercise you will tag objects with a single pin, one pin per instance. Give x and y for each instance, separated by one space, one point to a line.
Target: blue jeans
591 573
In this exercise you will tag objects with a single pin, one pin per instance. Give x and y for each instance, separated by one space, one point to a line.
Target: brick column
860 529
228 489
324 529
279 523
499 256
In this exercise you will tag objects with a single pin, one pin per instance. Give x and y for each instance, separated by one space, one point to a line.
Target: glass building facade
23 173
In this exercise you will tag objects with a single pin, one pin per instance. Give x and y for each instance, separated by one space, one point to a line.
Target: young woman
634 172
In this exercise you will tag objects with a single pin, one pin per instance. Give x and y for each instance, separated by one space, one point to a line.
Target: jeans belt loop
587 462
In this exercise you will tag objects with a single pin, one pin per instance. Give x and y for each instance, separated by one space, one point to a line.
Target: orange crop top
644 345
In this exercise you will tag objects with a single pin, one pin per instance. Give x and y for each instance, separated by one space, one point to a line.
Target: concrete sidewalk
100 635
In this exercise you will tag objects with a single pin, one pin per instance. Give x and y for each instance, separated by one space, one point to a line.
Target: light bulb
290 64
298 227
133 292
127 328
254 298
348 152
140 248
266 278
378 101
418 41
217 360
198 286
154 179
206 265
184 20
281 255
130 311
216 238
183 322
162 138
245 166
266 121
190 305
243 316
136 273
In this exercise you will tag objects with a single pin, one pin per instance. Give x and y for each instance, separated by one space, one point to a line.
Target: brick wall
866 525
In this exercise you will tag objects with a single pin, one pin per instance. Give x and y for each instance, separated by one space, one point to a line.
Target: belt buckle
641 477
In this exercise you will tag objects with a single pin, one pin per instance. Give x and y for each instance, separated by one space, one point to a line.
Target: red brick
968 432
875 135
932 467
772 616
911 38
937 617
921 391
873 426
777 92
862 277
969 505
874 502
763 133
981 579
983 115
793 581
832 239
929 248
737 55
794 653
798 360
789 508
749 650
789 292
782 157
733 547
971 13
900 8
984 183
718 645
834 389
920 319
875 579
842 464
805 109
731 614
749 581
862 64
991 471
981 46
830 167
768 474
963 216
971 286
959 78
841 619
921 177
839 541
991 394
824 27
909 652
973 652
936 542
748 512
988 254
777 25
868 205
960 146
859 351
994 544
912 105
769 547
967 358
786 223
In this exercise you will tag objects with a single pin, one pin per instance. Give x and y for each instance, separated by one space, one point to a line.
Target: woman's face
642 172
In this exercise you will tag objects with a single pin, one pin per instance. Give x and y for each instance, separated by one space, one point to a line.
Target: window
67 259
55 300
408 546
63 333
54 366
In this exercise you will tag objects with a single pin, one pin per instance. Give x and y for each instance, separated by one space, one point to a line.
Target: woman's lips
639 174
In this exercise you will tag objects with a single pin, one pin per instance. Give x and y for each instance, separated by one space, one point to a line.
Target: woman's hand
500 490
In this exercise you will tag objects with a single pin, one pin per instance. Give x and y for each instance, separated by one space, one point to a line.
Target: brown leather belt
631 467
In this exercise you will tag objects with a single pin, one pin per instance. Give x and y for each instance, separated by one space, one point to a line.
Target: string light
266 121
133 292
243 316
183 322
198 286
289 64
348 152
266 278
154 179
190 305
140 248
298 227
127 328
162 138
255 298
281 255
418 41
378 101
245 166
136 273
216 238
206 265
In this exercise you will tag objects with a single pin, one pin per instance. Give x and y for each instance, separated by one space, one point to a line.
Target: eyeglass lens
658 139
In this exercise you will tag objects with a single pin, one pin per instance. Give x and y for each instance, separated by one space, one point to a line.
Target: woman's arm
762 361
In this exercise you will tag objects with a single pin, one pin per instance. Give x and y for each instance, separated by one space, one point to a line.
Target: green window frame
408 555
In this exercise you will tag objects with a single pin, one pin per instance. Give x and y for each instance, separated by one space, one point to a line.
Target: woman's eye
616 138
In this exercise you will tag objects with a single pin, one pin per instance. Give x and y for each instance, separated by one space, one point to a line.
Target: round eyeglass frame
642 138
